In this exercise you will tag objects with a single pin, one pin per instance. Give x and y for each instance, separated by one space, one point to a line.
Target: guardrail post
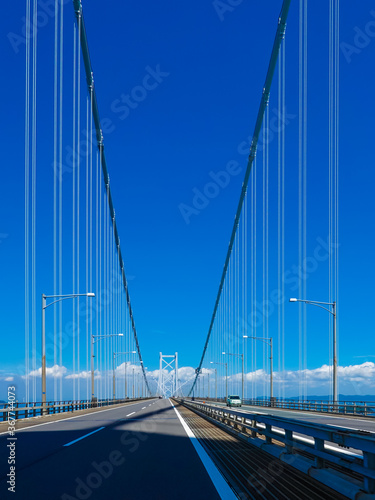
319 446
289 441
268 430
365 409
369 463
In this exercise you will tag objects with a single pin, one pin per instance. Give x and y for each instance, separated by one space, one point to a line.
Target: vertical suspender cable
55 179
78 166
87 317
305 60
33 193
302 222
264 224
266 319
97 262
73 203
90 153
254 299
330 168
337 156
61 186
281 217
27 206
279 190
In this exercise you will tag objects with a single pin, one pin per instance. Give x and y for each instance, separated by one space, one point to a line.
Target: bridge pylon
168 383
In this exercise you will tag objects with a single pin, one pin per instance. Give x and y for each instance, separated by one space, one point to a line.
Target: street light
242 357
226 377
115 355
333 312
265 340
44 307
98 337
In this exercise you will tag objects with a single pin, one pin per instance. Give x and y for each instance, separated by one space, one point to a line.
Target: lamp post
98 337
226 377
115 355
267 341
44 307
333 312
242 358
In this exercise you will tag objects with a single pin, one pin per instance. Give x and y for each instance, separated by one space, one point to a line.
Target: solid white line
131 414
62 419
219 482
85 436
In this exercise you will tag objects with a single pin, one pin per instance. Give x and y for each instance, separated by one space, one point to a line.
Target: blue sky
211 67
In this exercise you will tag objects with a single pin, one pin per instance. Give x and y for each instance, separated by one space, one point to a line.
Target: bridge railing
35 409
358 408
338 457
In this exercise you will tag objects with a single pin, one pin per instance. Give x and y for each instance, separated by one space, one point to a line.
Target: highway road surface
137 451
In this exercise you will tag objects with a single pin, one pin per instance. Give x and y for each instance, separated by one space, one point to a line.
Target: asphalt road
139 451
356 423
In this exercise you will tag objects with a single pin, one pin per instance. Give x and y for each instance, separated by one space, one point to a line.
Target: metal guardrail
27 410
362 408
357 408
319 456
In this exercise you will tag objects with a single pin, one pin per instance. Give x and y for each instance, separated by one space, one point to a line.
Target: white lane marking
31 427
219 482
130 414
85 436
144 408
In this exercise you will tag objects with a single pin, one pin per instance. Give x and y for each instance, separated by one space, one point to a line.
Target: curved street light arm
62 298
321 307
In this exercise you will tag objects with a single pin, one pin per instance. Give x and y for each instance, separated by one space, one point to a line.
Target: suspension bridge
101 404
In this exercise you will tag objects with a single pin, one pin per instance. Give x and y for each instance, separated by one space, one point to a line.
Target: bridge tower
168 384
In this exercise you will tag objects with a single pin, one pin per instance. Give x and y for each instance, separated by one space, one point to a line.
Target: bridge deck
136 451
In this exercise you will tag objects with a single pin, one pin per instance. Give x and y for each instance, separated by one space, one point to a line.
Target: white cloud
9 379
352 379
120 369
84 375
156 373
55 371
185 373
